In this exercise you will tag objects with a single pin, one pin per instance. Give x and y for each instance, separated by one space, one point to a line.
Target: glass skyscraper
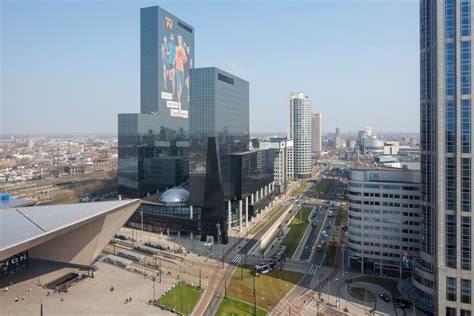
192 132
443 273
154 144
219 108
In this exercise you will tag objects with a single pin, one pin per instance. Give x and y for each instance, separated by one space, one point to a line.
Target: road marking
314 304
313 269
238 257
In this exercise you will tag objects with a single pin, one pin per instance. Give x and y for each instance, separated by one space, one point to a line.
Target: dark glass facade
154 145
218 127
219 108
159 218
251 171
152 154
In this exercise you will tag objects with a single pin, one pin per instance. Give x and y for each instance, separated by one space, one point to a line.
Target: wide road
212 296
314 234
312 280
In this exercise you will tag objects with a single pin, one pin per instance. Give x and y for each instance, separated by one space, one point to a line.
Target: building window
465 17
450 241
466 184
450 113
465 291
465 312
450 18
466 126
450 311
466 67
451 289
466 243
450 184
450 69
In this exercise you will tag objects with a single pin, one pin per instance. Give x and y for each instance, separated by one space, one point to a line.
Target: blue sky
71 66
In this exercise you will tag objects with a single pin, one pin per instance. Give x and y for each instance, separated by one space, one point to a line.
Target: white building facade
283 163
383 221
316 133
299 131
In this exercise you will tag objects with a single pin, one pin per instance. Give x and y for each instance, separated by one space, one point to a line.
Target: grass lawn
363 294
338 220
303 186
270 288
298 227
182 298
322 188
272 215
330 255
231 307
389 284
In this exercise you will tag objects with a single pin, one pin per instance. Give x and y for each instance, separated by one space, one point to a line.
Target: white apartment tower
316 127
299 131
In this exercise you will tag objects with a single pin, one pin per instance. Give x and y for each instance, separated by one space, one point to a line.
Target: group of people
176 61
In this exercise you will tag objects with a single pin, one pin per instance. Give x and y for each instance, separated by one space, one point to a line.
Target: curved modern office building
383 221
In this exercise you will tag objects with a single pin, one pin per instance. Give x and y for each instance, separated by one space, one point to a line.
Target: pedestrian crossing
316 305
238 258
313 269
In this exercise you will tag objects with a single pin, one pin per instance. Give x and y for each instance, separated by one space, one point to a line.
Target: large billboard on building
167 53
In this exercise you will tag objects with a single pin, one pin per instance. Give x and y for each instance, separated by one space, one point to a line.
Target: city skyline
42 41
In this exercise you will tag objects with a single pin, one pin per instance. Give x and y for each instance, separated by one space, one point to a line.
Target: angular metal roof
18 225
15 202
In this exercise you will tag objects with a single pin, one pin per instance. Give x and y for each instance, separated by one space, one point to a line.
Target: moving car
385 297
401 303
319 248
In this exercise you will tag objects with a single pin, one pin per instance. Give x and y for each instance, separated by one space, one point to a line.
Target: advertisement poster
176 40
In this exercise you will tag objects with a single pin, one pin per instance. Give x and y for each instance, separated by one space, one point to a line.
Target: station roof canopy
14 202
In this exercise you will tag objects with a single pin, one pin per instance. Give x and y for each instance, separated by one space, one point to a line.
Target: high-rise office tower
316 126
226 179
219 108
444 272
299 131
153 146
166 56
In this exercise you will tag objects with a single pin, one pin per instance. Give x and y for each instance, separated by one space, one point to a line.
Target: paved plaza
91 296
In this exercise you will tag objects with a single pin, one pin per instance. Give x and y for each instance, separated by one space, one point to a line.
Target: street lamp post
254 297
154 295
225 285
320 276
199 277
161 270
